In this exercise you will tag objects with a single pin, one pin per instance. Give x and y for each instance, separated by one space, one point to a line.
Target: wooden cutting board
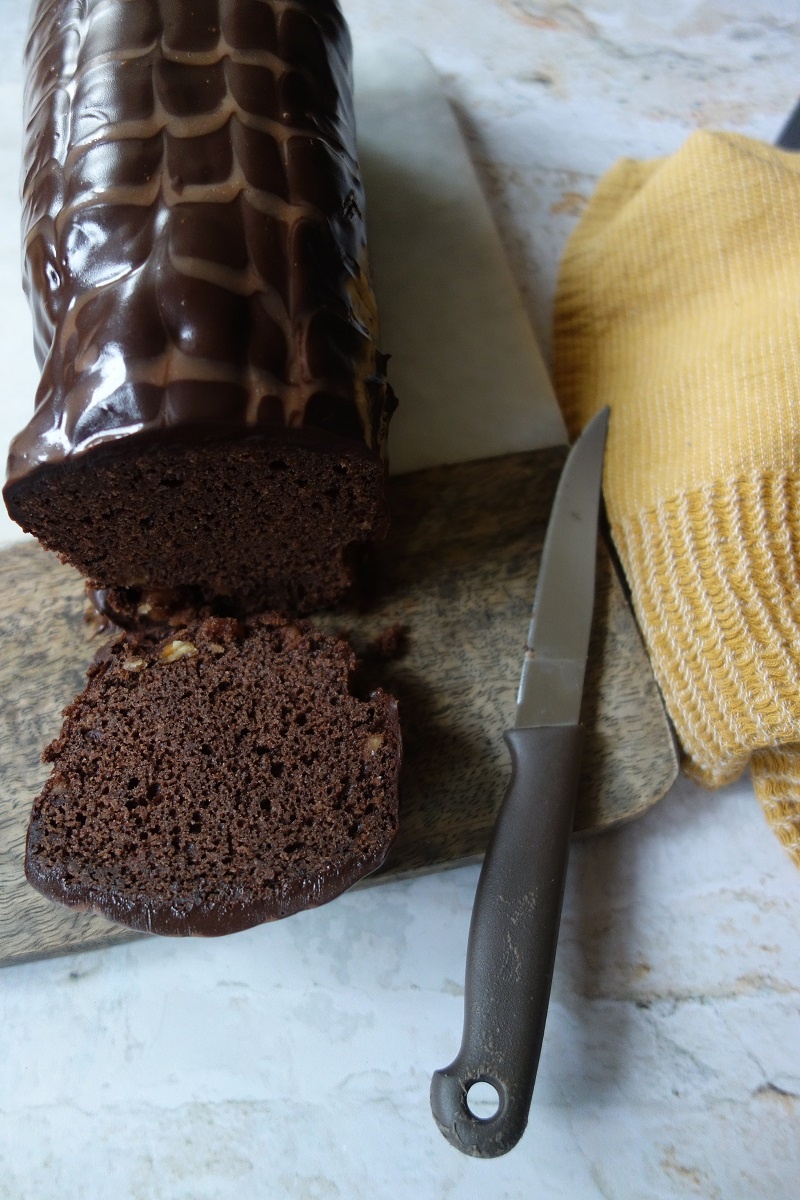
459 569
458 573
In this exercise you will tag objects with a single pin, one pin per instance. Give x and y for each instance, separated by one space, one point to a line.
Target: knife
789 136
517 909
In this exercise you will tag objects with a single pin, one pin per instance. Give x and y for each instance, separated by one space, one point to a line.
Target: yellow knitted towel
679 306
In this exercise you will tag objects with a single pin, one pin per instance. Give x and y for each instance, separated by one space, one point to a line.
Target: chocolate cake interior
263 522
218 777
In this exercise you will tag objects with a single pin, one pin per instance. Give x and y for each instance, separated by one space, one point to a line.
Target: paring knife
517 910
789 136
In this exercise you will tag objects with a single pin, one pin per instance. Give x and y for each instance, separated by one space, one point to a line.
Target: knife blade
517 910
789 136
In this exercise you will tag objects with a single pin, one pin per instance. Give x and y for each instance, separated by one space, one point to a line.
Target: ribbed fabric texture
678 304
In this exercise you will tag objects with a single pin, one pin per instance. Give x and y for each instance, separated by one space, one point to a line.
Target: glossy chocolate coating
195 252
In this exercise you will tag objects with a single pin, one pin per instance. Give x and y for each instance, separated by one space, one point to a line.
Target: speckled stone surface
294 1060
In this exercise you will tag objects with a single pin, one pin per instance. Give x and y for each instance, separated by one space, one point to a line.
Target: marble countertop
294 1060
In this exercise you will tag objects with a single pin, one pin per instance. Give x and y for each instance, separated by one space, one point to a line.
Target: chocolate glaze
292 894
194 238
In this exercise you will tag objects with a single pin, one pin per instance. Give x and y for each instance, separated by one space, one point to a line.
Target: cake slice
214 778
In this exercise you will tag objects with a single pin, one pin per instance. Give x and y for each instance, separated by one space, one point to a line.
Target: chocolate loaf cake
215 778
213 407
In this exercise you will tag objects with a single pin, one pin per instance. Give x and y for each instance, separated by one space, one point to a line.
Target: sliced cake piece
215 778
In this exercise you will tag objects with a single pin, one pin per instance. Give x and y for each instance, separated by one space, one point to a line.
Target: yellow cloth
678 305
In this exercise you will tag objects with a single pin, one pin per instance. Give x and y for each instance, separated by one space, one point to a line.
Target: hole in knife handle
482 1100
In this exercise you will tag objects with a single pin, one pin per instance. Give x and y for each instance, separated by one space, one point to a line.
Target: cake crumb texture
214 778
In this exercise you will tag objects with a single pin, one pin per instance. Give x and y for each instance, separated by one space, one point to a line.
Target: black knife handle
512 943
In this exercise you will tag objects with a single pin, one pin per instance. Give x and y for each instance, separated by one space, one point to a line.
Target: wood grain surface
458 573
